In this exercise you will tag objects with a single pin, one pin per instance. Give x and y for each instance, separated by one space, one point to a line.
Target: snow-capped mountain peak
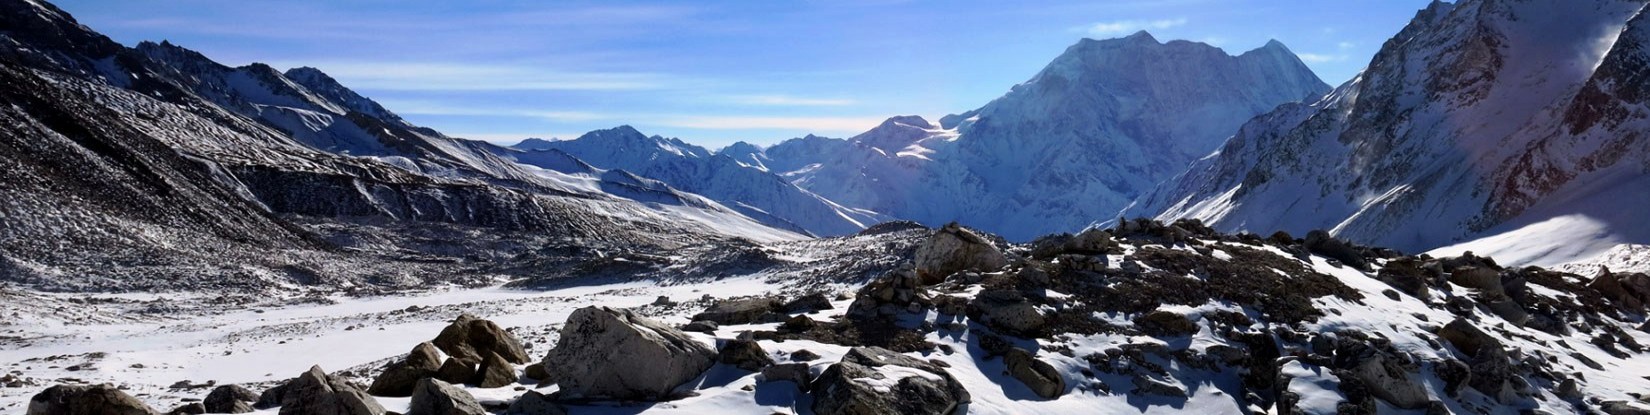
1103 122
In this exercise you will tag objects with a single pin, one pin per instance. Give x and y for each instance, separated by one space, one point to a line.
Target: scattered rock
85 400
1035 374
744 354
230 399
434 397
953 249
798 324
316 393
609 353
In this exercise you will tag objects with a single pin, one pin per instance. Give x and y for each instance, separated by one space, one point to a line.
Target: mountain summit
1102 123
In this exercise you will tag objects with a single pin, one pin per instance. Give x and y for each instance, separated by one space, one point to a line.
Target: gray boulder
861 384
316 393
1388 380
795 372
1035 374
744 354
434 397
469 338
535 403
742 311
609 353
229 399
400 377
1007 311
85 400
953 249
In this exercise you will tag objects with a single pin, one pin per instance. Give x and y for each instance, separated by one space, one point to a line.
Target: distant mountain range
1104 122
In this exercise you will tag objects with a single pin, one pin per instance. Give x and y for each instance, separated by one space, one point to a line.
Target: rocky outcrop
609 353
1319 242
891 294
401 377
1035 374
953 249
1631 291
1093 241
86 400
872 380
229 399
316 393
495 371
434 397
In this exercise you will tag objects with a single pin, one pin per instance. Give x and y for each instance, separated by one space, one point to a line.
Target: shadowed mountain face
1101 124
1477 119
155 166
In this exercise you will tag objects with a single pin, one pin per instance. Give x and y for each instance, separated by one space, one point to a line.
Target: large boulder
953 249
85 400
1483 279
872 380
1408 275
1321 243
610 353
1467 338
535 403
495 371
230 399
1388 380
1092 241
316 393
469 338
742 311
1035 374
744 354
434 397
1007 311
400 377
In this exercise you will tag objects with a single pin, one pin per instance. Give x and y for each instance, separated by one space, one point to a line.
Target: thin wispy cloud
433 108
425 76
1320 58
789 101
822 124
1130 26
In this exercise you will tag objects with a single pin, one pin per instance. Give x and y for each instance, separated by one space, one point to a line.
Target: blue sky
713 72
